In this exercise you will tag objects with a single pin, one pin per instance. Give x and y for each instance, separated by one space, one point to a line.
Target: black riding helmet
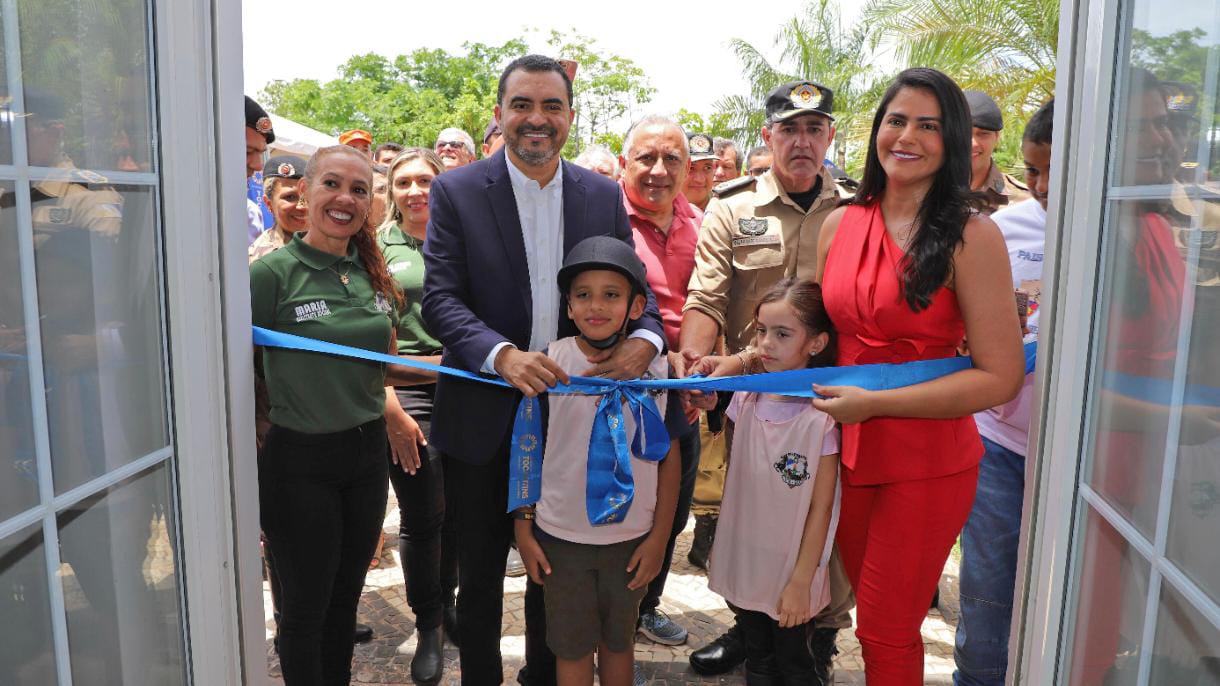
604 252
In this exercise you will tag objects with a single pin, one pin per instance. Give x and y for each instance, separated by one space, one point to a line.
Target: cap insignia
700 143
805 96
286 169
263 125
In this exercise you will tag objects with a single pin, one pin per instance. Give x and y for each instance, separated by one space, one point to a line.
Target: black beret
258 119
984 113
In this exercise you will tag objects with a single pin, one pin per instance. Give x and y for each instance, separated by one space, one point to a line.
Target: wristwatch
525 513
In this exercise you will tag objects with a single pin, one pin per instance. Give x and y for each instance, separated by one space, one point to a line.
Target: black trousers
775 652
426 534
688 447
322 500
484 532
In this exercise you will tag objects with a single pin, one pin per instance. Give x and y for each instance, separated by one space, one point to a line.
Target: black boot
823 649
701 546
449 621
428 664
363 633
763 673
721 655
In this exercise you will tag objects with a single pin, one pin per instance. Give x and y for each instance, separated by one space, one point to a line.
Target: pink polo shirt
669 258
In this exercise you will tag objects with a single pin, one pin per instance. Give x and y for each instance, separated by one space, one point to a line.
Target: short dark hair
755 152
721 143
392 147
1038 129
533 63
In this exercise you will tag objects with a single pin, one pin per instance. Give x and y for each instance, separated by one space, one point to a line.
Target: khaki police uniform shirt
267 242
1002 190
76 199
753 235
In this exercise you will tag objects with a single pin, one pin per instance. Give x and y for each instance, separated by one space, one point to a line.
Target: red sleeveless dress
863 296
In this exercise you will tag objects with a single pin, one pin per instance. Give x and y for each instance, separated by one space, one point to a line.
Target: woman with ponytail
909 272
322 469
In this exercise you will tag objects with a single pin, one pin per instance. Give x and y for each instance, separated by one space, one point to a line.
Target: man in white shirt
989 540
497 235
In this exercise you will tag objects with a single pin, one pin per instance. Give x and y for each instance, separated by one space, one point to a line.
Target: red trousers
894 539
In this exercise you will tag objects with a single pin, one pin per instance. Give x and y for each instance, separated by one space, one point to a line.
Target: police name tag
755 240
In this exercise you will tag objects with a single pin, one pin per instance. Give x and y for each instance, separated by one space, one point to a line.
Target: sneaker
659 628
637 675
515 566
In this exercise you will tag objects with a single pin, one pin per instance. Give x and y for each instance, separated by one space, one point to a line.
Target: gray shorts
586 596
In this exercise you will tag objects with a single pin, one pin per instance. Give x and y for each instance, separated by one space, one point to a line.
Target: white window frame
200 84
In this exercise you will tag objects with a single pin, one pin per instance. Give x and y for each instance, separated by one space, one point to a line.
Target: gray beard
532 158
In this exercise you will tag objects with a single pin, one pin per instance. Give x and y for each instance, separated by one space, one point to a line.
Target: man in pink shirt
655 162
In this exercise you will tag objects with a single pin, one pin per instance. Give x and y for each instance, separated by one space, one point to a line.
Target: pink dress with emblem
863 295
777 445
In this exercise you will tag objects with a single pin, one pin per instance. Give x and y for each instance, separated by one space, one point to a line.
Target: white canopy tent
292 138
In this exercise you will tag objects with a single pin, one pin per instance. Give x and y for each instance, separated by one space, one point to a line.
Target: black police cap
984 113
799 97
284 167
258 119
603 252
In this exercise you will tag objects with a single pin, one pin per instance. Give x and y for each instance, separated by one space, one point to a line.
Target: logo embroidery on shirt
399 266
312 310
382 304
793 469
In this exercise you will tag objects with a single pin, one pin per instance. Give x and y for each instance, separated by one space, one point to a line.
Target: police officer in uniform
703 164
999 189
280 176
756 231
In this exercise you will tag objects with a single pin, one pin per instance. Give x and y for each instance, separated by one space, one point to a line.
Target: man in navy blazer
497 235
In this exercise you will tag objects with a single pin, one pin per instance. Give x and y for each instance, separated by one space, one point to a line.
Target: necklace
343 278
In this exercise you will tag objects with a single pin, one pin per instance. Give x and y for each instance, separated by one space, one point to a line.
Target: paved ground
387 659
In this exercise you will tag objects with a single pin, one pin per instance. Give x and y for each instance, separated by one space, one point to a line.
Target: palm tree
1003 47
814 45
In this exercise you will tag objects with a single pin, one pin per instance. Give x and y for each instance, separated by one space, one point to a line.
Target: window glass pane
1112 585
121 585
27 656
6 113
18 470
1140 309
1187 648
101 328
85 73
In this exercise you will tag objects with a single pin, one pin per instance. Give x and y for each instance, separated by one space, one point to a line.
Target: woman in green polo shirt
322 469
429 557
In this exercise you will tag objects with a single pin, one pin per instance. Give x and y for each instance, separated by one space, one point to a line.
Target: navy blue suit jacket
477 289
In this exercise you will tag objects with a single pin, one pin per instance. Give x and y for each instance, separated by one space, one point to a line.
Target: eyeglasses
456 145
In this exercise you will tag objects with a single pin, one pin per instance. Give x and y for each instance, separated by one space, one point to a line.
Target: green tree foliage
813 45
409 99
1174 57
608 92
717 124
1005 48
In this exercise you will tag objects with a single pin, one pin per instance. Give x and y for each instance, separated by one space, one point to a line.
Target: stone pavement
387 658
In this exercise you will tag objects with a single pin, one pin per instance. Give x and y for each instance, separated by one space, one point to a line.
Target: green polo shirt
405 261
299 290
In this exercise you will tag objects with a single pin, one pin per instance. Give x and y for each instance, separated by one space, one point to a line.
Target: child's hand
536 564
718 365
793 608
646 561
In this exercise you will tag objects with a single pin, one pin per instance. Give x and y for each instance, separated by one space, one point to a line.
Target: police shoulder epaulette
731 187
1013 180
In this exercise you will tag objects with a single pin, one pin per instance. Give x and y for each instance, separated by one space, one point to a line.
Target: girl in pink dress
780 507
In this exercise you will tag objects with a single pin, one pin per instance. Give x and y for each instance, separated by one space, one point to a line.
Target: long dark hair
805 299
365 239
946 208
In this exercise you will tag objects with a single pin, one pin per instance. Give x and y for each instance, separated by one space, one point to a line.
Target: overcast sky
682 45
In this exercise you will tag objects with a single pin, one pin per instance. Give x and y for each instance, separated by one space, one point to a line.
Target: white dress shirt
540 209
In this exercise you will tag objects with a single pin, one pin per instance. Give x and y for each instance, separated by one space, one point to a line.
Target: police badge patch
793 469
752 226
59 215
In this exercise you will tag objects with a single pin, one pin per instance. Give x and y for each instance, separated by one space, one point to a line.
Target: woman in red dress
909 272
